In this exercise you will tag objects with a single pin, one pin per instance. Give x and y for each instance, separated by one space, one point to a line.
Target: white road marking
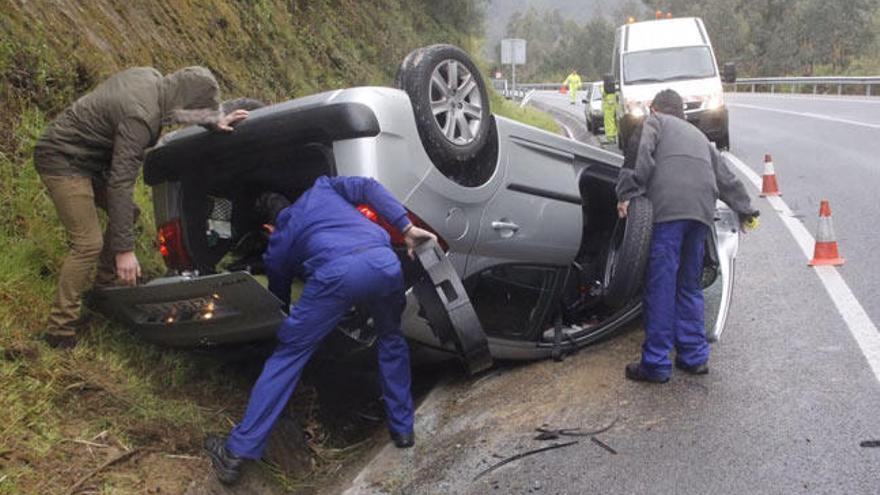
854 315
566 129
874 100
806 114
528 97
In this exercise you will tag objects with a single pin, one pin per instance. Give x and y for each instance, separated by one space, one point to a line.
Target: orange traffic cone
769 187
826 244
563 90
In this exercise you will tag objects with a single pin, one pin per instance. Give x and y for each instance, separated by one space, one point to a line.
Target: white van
673 54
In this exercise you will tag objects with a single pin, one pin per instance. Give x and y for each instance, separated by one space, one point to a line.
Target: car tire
458 132
628 253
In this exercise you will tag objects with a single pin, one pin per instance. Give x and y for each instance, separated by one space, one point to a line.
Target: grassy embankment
64 414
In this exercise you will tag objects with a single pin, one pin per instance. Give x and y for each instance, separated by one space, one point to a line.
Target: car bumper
713 123
183 311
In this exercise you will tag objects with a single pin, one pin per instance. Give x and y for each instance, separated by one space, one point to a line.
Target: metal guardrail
794 83
755 84
522 90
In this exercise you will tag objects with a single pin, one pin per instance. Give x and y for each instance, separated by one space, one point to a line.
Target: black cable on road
521 455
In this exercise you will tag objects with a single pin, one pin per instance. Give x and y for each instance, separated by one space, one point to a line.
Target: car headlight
713 102
637 109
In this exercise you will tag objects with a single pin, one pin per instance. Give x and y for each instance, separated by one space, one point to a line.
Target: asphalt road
789 397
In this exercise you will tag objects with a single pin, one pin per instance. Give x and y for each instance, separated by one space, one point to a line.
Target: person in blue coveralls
345 260
683 175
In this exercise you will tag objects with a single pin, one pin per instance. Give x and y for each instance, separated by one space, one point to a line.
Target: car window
670 64
597 93
511 300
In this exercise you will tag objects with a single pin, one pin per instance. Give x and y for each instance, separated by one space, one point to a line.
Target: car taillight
171 246
397 237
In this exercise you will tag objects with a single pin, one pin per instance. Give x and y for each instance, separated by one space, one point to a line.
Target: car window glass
511 301
670 64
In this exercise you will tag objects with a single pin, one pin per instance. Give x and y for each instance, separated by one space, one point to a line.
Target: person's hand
749 221
226 121
127 267
622 208
413 236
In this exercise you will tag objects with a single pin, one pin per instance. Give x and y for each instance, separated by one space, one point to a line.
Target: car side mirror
609 83
728 72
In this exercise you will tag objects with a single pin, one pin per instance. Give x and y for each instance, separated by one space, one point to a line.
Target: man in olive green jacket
90 157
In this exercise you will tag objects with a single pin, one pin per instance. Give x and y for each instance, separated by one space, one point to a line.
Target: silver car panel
717 297
527 211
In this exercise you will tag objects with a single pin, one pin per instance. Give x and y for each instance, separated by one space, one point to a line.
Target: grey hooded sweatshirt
682 173
105 132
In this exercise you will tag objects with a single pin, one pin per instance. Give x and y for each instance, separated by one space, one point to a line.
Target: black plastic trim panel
280 124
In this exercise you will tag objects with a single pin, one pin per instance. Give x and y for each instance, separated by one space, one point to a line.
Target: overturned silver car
532 260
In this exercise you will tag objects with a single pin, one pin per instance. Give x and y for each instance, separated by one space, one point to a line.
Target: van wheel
450 103
628 253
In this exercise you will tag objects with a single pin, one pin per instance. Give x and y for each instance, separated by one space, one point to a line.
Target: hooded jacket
104 133
681 172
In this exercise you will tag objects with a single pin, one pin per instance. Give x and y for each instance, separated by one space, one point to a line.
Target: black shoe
634 372
227 466
63 341
403 440
699 369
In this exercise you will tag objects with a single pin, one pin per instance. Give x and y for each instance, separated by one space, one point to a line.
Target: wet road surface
787 401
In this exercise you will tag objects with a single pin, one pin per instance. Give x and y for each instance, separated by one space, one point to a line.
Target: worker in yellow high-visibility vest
609 108
573 81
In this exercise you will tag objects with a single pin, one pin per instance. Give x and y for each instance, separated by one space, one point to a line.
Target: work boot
635 372
62 340
403 440
227 466
697 369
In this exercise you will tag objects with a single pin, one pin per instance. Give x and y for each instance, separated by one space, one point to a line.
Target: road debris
521 455
870 443
546 433
604 445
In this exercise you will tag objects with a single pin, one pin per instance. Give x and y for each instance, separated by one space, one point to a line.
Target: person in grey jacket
682 174
89 157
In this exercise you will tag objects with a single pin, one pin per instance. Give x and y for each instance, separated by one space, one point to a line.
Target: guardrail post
839 89
753 87
772 88
867 90
815 88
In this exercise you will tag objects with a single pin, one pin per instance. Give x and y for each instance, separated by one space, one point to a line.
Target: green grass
114 388
511 109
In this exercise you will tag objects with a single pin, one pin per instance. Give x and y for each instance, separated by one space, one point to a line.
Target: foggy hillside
498 13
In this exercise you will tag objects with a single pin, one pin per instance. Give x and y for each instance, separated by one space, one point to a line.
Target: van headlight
713 102
637 109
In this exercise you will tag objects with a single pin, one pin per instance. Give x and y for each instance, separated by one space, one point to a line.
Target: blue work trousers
673 299
371 278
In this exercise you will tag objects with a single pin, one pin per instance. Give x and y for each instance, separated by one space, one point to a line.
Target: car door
719 273
535 215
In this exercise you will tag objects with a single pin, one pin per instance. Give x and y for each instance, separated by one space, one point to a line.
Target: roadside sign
513 51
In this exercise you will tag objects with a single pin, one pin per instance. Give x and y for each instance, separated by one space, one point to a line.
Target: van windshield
669 64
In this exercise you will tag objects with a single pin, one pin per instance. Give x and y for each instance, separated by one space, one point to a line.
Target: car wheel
450 103
628 253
